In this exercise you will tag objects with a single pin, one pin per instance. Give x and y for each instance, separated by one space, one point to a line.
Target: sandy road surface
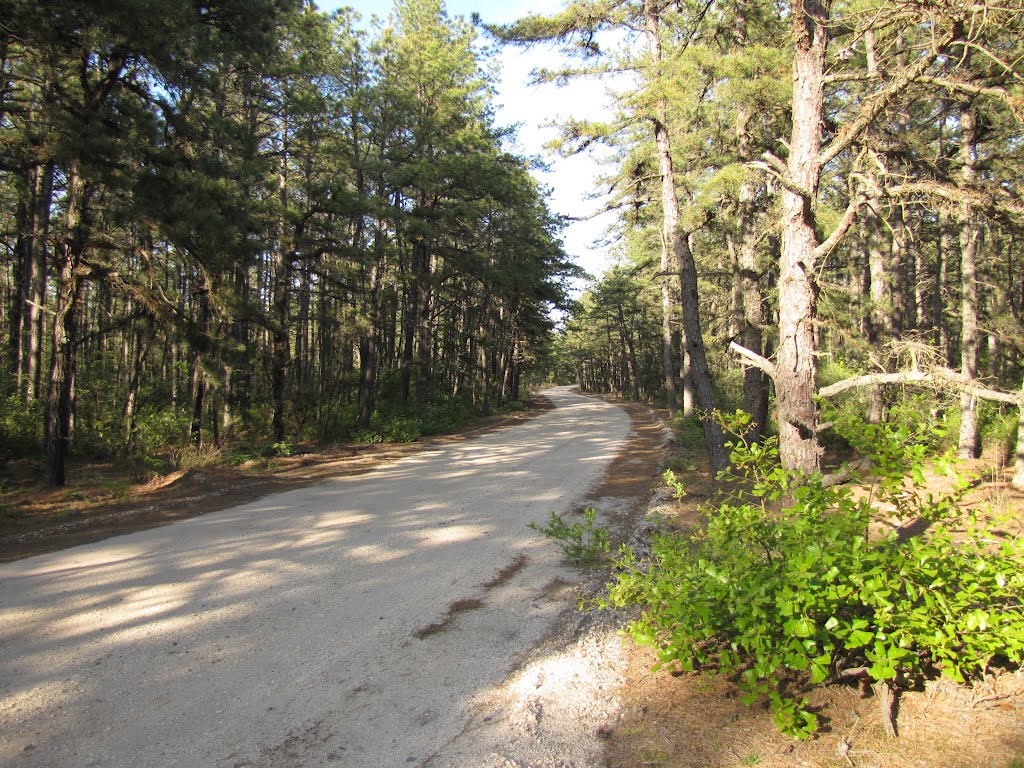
350 623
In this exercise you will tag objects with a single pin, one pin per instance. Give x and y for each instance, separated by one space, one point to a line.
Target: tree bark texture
670 214
755 383
68 255
970 236
796 364
703 386
1018 459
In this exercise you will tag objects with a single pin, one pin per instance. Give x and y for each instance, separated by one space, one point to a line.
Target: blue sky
490 11
571 180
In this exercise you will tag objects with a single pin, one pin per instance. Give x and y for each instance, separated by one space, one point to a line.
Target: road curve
346 624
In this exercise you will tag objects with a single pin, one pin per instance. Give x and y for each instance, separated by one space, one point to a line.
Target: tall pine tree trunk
33 223
703 387
970 237
1018 464
425 265
199 384
755 382
369 352
131 397
670 221
680 256
944 251
60 393
795 381
280 355
410 315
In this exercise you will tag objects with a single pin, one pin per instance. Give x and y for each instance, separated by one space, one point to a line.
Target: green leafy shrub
998 428
402 429
337 422
673 482
283 450
254 422
925 418
160 429
367 437
583 542
98 424
792 584
389 428
446 417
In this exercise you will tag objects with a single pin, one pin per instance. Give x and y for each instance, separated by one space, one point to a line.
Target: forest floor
661 719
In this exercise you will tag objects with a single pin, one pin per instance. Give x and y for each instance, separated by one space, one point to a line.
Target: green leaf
882 670
859 638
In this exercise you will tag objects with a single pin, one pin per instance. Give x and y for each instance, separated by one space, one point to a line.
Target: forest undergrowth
761 618
110 494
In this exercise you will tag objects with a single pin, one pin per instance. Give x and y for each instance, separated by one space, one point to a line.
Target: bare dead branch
754 359
849 216
963 86
875 105
935 376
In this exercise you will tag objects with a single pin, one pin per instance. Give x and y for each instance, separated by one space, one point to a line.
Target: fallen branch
846 473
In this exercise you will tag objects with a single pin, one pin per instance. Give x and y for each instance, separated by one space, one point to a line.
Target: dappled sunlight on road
373 554
330 573
450 535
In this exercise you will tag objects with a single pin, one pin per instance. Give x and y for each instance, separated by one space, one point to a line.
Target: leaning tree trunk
795 381
703 387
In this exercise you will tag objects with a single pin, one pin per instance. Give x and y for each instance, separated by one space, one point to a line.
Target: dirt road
351 623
